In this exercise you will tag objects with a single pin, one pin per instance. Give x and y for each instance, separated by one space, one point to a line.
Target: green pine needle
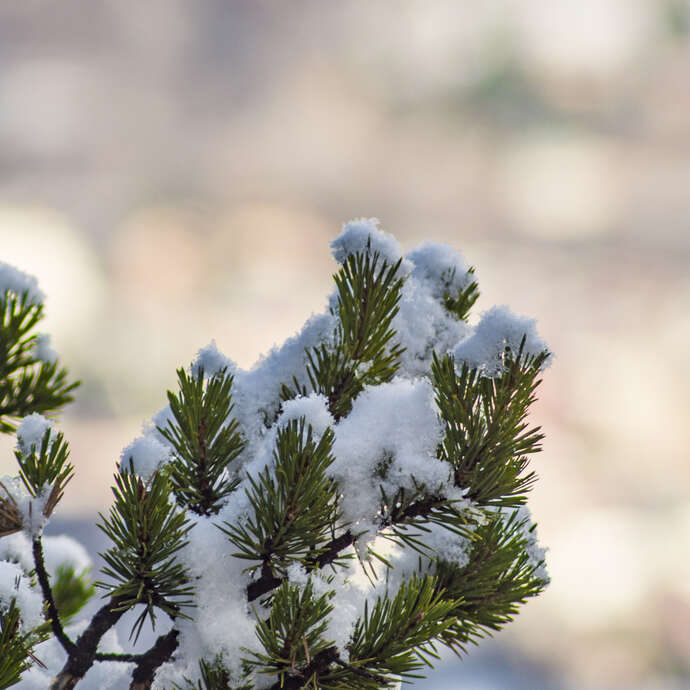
205 441
16 646
147 531
27 385
294 503
364 354
487 439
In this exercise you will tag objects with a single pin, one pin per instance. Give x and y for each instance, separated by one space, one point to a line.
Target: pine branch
204 441
318 666
147 532
148 663
294 503
27 384
394 637
16 647
487 440
459 304
46 466
295 513
52 614
292 635
85 652
490 587
368 293
331 551
71 590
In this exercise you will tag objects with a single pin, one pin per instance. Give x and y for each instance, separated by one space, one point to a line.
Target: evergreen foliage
497 577
203 442
368 292
71 591
487 439
293 507
27 383
16 646
327 519
146 531
395 637
459 301
45 465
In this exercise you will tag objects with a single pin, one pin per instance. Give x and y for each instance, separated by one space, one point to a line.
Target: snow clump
363 235
499 329
18 282
144 455
212 361
31 432
14 584
42 349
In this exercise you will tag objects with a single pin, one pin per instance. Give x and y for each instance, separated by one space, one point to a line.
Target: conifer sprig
293 634
368 291
16 646
405 516
395 636
147 532
293 510
213 676
294 502
46 465
205 441
27 384
71 590
10 516
487 438
498 577
460 303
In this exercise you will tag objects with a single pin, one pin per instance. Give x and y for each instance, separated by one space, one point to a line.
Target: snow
14 584
424 325
222 620
30 508
101 676
396 424
58 550
17 548
314 409
18 282
349 588
31 431
355 236
497 330
256 393
536 553
441 266
212 361
62 550
146 454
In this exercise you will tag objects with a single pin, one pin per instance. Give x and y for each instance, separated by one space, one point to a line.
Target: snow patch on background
14 280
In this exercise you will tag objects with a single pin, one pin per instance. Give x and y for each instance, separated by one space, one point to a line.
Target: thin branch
148 663
52 614
319 664
330 552
381 680
114 656
84 654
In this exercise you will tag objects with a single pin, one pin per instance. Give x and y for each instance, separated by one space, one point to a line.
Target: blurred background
173 172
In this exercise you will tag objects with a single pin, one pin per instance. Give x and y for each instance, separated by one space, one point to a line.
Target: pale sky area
173 172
